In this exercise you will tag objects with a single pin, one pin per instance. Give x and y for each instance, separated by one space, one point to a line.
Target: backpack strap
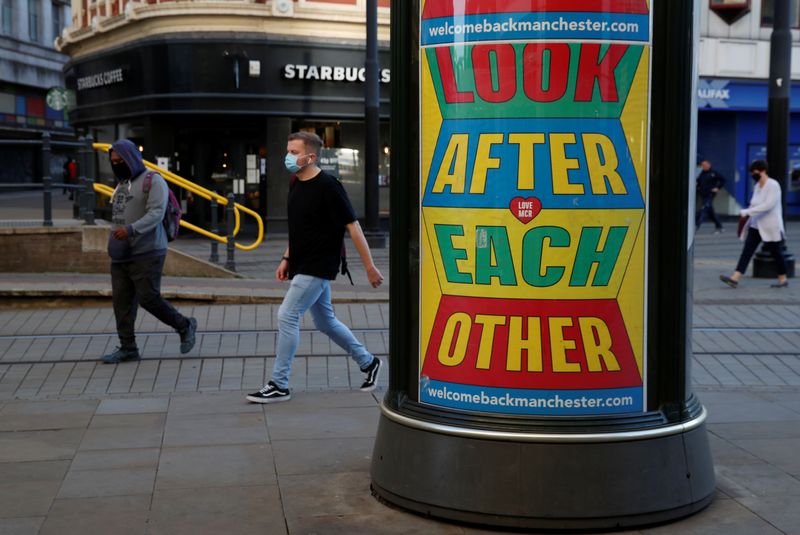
345 270
148 182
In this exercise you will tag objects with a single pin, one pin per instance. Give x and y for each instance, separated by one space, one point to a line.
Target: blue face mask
291 163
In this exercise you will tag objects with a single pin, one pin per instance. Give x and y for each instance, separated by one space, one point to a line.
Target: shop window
329 133
58 20
33 20
768 11
6 14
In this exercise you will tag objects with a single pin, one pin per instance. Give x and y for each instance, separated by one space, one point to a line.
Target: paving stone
132 406
99 483
343 493
213 403
39 445
216 466
723 516
104 435
228 510
21 526
781 452
726 453
27 489
117 515
286 423
750 408
152 419
215 429
123 459
761 479
744 430
780 511
386 522
33 415
297 457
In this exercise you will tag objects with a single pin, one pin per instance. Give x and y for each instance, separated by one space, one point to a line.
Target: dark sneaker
371 373
271 393
784 284
729 281
121 354
187 336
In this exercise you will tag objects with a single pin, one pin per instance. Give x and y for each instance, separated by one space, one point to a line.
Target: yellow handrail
202 192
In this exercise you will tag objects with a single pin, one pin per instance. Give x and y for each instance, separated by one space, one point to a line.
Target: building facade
733 94
211 89
31 81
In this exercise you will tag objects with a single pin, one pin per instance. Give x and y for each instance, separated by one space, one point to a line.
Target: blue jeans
313 294
707 207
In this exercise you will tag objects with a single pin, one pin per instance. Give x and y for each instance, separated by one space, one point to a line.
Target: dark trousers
706 206
751 244
139 283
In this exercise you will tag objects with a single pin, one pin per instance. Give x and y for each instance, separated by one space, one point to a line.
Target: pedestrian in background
137 246
709 183
764 223
319 213
70 175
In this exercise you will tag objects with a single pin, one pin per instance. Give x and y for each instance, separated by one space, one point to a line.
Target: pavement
168 444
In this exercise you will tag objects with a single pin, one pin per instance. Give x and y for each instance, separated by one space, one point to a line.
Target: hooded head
130 154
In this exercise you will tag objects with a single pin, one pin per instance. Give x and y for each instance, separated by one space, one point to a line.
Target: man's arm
282 273
357 235
720 182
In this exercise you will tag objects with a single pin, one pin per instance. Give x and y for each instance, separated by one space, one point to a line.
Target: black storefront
217 110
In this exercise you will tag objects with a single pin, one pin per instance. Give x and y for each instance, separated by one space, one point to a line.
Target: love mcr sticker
533 180
525 209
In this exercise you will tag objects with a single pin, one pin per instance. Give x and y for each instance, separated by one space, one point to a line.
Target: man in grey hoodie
137 246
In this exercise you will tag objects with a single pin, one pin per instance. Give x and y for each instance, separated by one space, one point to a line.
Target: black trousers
139 283
751 244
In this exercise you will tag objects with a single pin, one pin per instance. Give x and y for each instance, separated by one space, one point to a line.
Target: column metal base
588 484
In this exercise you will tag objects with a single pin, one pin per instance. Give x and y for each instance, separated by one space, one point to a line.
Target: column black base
764 266
543 485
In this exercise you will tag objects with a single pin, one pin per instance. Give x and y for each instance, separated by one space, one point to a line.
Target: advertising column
540 306
533 206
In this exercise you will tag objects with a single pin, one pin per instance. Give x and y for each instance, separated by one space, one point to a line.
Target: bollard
230 221
47 181
215 230
88 183
540 305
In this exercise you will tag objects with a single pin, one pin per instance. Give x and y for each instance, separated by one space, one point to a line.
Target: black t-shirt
319 211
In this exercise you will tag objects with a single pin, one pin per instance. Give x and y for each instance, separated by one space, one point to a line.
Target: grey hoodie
141 213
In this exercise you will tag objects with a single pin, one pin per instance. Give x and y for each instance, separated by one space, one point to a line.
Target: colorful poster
533 205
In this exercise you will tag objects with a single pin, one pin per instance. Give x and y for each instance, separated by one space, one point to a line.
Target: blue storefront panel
732 132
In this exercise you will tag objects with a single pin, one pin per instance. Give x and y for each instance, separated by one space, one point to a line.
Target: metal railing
47 144
86 187
229 202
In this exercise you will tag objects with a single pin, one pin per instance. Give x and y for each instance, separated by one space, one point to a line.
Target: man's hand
282 273
714 190
374 276
121 233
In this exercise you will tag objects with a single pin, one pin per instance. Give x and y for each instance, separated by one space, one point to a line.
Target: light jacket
766 212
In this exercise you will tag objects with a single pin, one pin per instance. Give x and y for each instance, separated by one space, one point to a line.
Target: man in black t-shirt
319 214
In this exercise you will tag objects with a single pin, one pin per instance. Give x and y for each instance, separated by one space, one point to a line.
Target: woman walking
765 224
